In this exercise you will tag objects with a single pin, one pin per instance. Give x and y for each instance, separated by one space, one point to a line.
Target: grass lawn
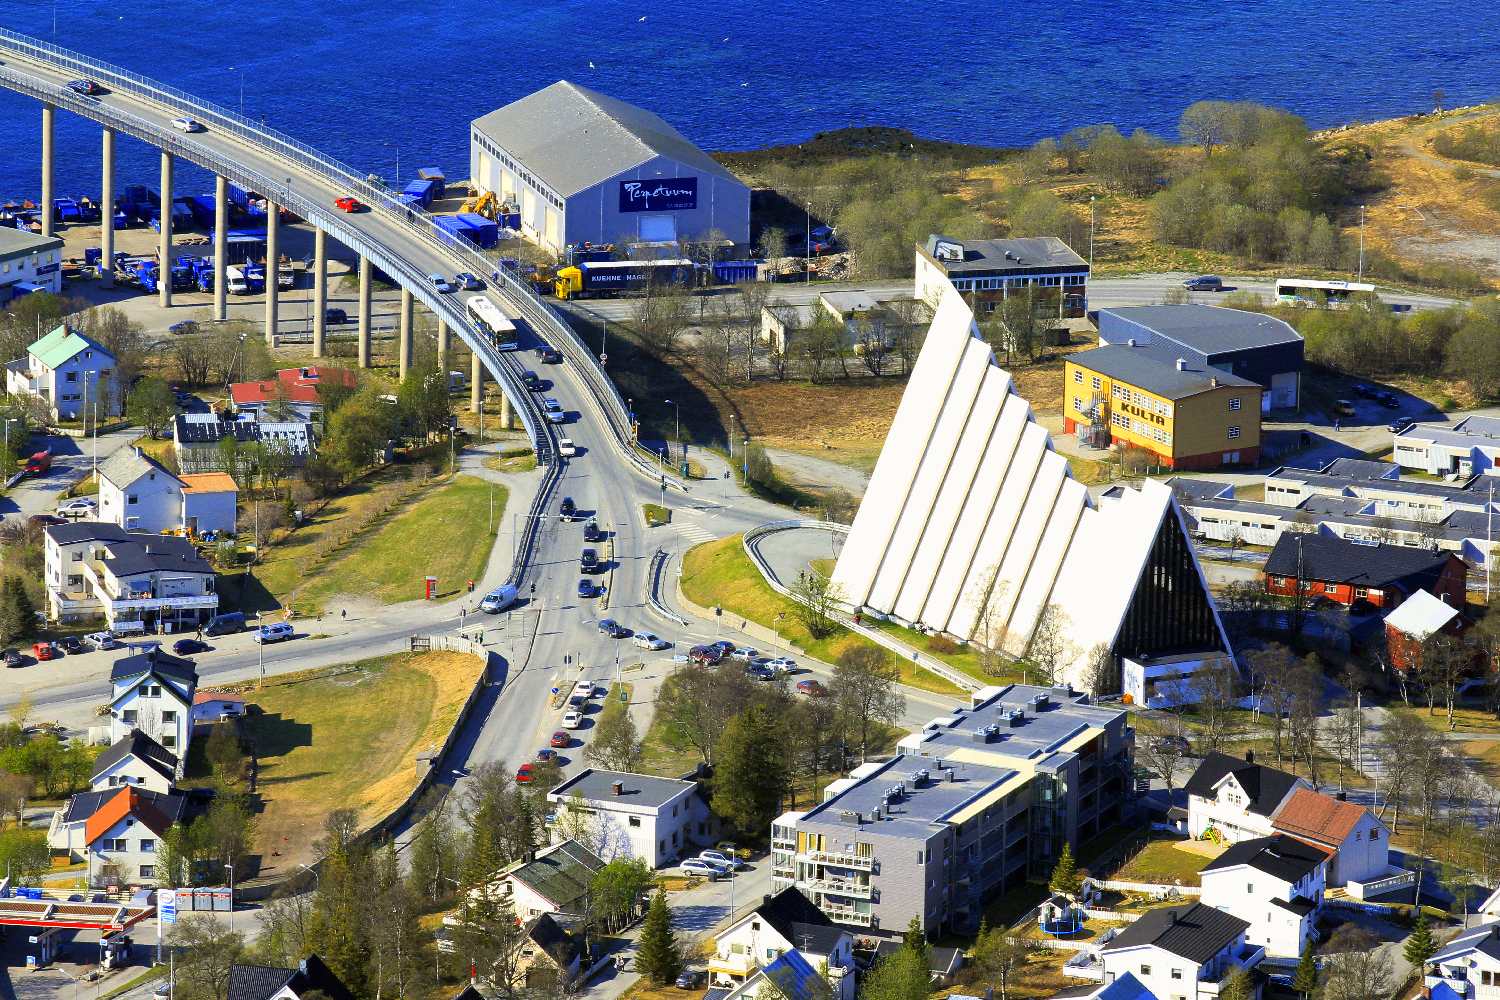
719 573
160 450
1465 720
504 462
348 740
656 514
445 534
1163 861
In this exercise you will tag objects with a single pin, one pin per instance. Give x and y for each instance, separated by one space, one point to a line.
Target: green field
719 573
447 534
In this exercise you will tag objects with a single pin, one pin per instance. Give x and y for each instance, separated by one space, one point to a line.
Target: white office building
655 819
29 262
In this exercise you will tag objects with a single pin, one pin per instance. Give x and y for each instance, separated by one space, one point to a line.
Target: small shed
1415 620
209 503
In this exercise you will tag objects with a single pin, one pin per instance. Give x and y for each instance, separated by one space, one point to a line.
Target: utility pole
1361 243
1091 233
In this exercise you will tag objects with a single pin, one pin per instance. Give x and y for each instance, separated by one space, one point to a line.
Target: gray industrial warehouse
583 167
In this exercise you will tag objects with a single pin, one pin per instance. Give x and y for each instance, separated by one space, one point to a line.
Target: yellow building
1191 417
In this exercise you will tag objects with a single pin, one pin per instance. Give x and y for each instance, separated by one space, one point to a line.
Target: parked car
572 719
648 640
71 645
591 532
705 656
186 124
613 629
691 979
183 328
103 640
728 860
88 88
12 658
78 507
1169 743
782 664
744 653
812 689
561 739
274 632
1344 408
1204 283
43 651
45 520
523 774
1363 391
1389 400
724 646
700 868
334 316
467 281
225 624
187 647
1400 424
760 673
348 204
545 755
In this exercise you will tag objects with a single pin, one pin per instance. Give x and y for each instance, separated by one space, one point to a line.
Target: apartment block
972 805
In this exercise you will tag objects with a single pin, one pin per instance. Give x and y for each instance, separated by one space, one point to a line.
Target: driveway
72 460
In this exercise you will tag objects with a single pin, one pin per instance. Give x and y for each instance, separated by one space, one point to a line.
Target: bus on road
492 323
1326 294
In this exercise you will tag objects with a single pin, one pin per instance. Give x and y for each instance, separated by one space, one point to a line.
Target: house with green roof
71 373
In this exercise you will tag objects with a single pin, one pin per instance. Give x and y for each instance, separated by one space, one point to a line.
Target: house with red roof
1358 840
122 836
292 394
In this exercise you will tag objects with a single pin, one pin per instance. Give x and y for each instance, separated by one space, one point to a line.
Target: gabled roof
788 908
1196 932
1484 939
816 939
177 807
561 874
1265 786
154 661
295 385
126 802
261 982
548 935
1154 367
130 464
1421 615
144 552
572 138
1311 815
940 961
1281 857
144 749
61 345
1328 557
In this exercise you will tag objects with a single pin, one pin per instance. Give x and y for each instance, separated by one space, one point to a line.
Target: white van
275 632
234 281
498 600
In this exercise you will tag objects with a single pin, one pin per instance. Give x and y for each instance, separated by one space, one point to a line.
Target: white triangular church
973 526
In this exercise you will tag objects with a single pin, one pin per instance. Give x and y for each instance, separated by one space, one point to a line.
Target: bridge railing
541 316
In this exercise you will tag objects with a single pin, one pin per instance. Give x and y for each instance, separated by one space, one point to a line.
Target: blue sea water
367 79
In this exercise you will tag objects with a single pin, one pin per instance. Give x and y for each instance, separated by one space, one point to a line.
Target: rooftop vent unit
950 774
1015 717
921 777
982 734
877 815
1041 700
849 816
1182 364
994 730
1130 342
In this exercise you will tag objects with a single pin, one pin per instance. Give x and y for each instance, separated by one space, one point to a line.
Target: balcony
848 915
1458 985
842 887
842 860
1211 981
735 966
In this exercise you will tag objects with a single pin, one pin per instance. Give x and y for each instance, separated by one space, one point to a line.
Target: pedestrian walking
343 612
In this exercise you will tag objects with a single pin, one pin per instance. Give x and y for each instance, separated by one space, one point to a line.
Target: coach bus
492 323
1329 294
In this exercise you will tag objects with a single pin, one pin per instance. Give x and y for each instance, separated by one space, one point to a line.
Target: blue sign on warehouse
668 195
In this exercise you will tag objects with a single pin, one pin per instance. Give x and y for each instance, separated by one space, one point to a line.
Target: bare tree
1101 671
817 598
865 687
194 360
1215 689
819 343
1306 688
907 327
1164 748
1355 968
1345 737
1204 124
1271 671
661 315
1049 644
1445 659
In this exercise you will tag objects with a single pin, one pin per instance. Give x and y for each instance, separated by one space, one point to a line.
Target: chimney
1249 756
1182 364
617 787
1172 917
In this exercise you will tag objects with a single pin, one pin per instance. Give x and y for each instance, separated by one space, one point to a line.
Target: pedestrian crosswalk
693 532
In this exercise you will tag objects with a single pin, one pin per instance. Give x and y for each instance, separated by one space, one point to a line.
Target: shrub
941 644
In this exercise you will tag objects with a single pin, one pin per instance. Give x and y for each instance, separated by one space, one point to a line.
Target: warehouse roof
572 137
18 242
1209 329
1155 369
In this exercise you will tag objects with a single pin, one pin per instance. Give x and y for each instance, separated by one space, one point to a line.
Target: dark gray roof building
561 874
261 982
1265 786
1158 371
1003 258
144 749
642 790
154 661
1278 855
1196 932
1330 558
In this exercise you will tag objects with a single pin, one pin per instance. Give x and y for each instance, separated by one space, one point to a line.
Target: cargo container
732 272
203 206
64 210
589 251
481 231
423 191
611 277
451 225
439 181
509 220
243 245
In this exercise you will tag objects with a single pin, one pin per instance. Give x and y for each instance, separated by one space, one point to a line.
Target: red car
43 651
561 739
812 689
705 656
523 774
348 204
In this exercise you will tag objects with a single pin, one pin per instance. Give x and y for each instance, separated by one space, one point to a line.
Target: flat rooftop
919 808
17 242
640 791
1209 329
1033 723
1041 254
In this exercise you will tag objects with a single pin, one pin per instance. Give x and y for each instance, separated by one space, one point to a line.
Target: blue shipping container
510 220
732 272
424 191
481 230
439 180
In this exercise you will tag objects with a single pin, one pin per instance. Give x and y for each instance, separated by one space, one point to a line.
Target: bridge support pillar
107 210
273 260
164 254
445 341
320 292
403 332
364 312
49 119
476 386
221 248
504 412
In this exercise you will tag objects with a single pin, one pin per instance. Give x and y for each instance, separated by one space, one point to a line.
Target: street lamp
1361 243
235 69
230 869
807 248
397 147
677 421
1091 232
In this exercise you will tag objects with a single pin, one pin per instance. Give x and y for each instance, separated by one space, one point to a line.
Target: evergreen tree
17 612
658 956
1065 877
1420 946
915 941
1305 980
750 769
336 929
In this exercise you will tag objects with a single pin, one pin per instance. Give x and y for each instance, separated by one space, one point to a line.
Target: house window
1234 404
1094 382
1374 835
148 846
75 580
133 499
1249 888
1145 970
169 717
1077 376
168 740
1176 973
1234 432
128 717
634 821
72 377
